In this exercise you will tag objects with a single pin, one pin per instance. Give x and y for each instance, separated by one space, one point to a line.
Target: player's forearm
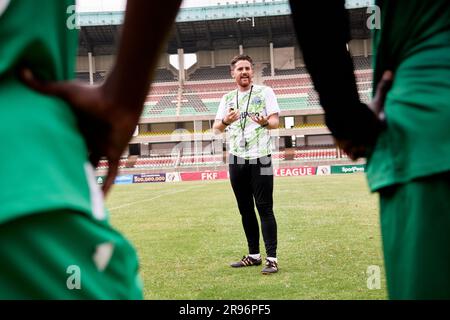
274 122
219 126
146 27
323 34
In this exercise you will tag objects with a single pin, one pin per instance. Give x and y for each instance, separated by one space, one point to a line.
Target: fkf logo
210 175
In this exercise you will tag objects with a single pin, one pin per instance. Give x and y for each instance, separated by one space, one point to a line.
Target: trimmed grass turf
187 233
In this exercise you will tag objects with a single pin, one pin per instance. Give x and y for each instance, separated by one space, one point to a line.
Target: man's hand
220 125
231 116
383 87
106 127
272 121
354 149
261 120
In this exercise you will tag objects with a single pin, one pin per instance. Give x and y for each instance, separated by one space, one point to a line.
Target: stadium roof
252 24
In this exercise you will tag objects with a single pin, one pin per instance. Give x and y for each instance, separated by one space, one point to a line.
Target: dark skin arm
354 124
108 114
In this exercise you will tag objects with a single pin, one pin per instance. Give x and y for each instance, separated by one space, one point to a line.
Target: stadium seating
169 159
164 75
82 76
266 70
208 86
98 77
188 161
316 154
165 107
201 94
163 89
208 73
310 125
361 62
295 71
298 103
288 82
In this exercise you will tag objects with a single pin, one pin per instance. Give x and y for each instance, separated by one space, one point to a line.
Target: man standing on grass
249 113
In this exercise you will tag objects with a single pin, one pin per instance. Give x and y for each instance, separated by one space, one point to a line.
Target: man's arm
108 114
230 117
273 120
323 34
219 126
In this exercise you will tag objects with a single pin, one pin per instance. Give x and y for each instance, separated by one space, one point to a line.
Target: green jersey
43 163
246 138
414 42
46 179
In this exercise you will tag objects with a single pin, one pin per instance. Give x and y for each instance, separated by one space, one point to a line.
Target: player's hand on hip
106 127
383 87
358 148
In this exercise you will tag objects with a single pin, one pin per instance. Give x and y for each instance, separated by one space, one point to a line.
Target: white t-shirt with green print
261 100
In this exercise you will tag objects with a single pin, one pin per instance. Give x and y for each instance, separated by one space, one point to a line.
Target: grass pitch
187 233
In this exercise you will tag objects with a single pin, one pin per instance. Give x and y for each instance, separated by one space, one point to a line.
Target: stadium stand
266 70
316 154
361 62
169 161
164 75
288 81
174 161
166 106
184 104
202 97
192 104
163 89
208 73
82 76
209 86
287 72
98 77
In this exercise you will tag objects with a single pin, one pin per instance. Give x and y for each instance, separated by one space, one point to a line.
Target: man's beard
245 83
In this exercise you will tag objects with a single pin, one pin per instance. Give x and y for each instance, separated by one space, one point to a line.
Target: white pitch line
156 197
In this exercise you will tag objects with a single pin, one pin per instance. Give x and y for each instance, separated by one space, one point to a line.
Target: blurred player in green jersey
56 240
406 138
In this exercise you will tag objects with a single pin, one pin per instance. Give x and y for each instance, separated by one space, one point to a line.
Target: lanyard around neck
246 109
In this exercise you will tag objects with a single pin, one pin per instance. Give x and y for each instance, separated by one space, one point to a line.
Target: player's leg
240 181
262 186
66 255
415 223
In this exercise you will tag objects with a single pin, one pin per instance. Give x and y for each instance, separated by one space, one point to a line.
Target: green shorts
415 225
66 255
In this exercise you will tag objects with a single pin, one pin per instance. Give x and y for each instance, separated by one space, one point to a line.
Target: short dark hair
239 58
